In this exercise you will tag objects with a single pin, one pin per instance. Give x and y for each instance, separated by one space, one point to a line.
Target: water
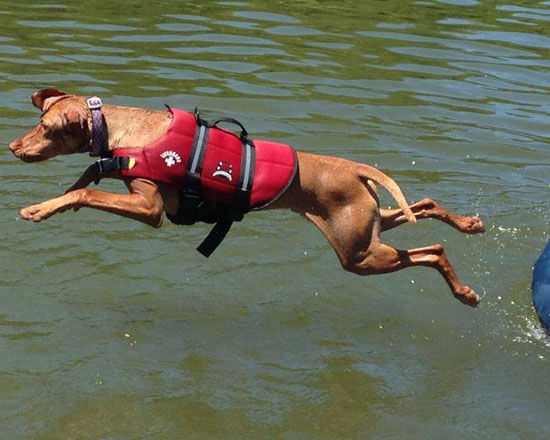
112 330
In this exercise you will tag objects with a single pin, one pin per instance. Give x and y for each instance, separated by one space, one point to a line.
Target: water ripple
448 97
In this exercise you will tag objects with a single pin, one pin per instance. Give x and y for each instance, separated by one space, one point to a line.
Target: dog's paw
471 225
467 295
42 211
32 213
476 225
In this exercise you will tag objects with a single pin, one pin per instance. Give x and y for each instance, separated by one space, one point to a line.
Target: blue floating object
541 287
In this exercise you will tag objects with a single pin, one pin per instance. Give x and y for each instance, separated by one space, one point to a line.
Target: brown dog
337 195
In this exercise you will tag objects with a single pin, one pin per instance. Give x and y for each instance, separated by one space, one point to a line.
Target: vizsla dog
337 195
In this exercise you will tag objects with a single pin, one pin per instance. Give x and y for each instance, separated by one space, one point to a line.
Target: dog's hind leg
381 258
428 208
353 230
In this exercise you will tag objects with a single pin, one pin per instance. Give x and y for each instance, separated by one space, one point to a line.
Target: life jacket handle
214 123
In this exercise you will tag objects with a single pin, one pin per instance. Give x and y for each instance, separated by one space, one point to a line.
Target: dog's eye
46 128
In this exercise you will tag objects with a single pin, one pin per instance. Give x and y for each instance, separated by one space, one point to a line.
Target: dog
335 194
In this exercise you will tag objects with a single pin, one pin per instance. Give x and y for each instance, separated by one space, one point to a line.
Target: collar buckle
94 103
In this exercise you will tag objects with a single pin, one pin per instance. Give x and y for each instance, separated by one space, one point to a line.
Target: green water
112 330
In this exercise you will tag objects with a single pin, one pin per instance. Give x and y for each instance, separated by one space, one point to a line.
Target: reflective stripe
100 165
247 165
200 142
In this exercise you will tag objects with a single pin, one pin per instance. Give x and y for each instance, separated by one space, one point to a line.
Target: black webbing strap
214 237
100 168
110 164
192 186
244 133
241 201
192 183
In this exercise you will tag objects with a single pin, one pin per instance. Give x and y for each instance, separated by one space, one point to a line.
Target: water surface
110 329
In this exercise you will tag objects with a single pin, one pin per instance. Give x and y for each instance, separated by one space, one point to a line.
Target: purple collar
100 147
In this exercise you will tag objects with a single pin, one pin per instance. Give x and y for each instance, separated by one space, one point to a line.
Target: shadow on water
346 409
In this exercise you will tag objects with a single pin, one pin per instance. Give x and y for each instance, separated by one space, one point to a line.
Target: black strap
110 164
215 237
192 183
98 169
192 186
241 201
244 133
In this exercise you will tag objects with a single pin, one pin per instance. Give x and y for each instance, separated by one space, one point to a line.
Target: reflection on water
112 330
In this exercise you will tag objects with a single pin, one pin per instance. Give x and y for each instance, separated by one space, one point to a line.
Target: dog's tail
389 184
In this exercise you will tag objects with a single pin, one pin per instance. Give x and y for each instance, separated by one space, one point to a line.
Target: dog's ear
39 97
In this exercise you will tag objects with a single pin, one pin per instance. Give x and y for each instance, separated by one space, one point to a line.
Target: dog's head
63 127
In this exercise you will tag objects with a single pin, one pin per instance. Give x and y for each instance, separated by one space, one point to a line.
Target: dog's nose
14 146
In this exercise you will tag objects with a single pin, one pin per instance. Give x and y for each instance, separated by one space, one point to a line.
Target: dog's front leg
144 203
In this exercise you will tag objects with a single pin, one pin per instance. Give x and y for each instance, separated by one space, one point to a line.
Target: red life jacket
219 164
206 162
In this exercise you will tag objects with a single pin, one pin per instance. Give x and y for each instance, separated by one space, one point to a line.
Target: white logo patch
224 169
170 158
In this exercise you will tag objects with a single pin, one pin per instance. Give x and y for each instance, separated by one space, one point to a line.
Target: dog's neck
134 127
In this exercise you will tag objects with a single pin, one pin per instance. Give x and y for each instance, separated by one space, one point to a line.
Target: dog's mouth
29 157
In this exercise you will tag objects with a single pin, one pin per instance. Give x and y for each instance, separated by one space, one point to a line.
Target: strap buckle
109 164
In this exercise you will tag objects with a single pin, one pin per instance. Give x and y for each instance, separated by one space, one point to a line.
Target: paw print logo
170 158
224 169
